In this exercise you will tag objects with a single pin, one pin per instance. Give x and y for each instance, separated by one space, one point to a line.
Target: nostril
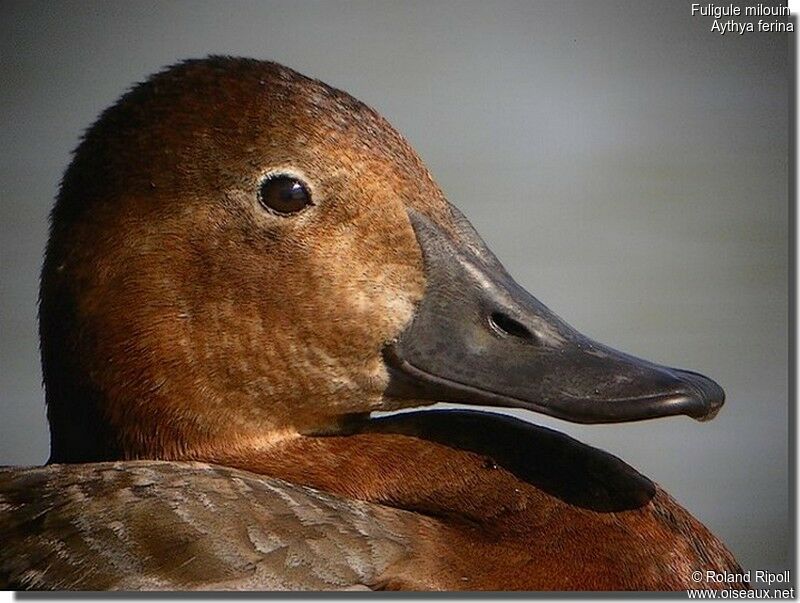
505 325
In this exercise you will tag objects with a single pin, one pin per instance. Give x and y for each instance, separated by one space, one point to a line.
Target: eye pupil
284 195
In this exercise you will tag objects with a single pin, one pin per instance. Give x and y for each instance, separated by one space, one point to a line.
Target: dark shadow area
559 465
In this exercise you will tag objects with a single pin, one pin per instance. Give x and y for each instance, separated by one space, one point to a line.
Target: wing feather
150 525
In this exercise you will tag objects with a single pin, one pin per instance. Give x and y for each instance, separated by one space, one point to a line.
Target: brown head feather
176 314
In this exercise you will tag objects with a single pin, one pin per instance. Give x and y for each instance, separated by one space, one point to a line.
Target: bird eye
284 195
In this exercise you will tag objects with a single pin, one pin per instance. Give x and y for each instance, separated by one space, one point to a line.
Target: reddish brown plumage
568 518
176 315
179 321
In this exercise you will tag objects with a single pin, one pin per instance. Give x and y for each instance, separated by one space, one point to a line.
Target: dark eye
284 195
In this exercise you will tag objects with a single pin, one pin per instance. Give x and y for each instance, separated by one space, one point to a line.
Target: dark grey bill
479 338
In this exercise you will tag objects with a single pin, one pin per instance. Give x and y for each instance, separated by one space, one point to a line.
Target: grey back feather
181 525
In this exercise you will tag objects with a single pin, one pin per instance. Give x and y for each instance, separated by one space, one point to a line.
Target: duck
246 269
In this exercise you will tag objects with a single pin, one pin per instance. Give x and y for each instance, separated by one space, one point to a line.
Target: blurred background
628 166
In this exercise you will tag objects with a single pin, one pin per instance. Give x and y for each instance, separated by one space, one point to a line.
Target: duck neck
462 467
500 504
391 469
537 504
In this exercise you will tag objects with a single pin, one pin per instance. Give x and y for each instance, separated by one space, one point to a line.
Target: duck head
239 252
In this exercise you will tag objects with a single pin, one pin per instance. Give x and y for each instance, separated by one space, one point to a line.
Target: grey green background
628 166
